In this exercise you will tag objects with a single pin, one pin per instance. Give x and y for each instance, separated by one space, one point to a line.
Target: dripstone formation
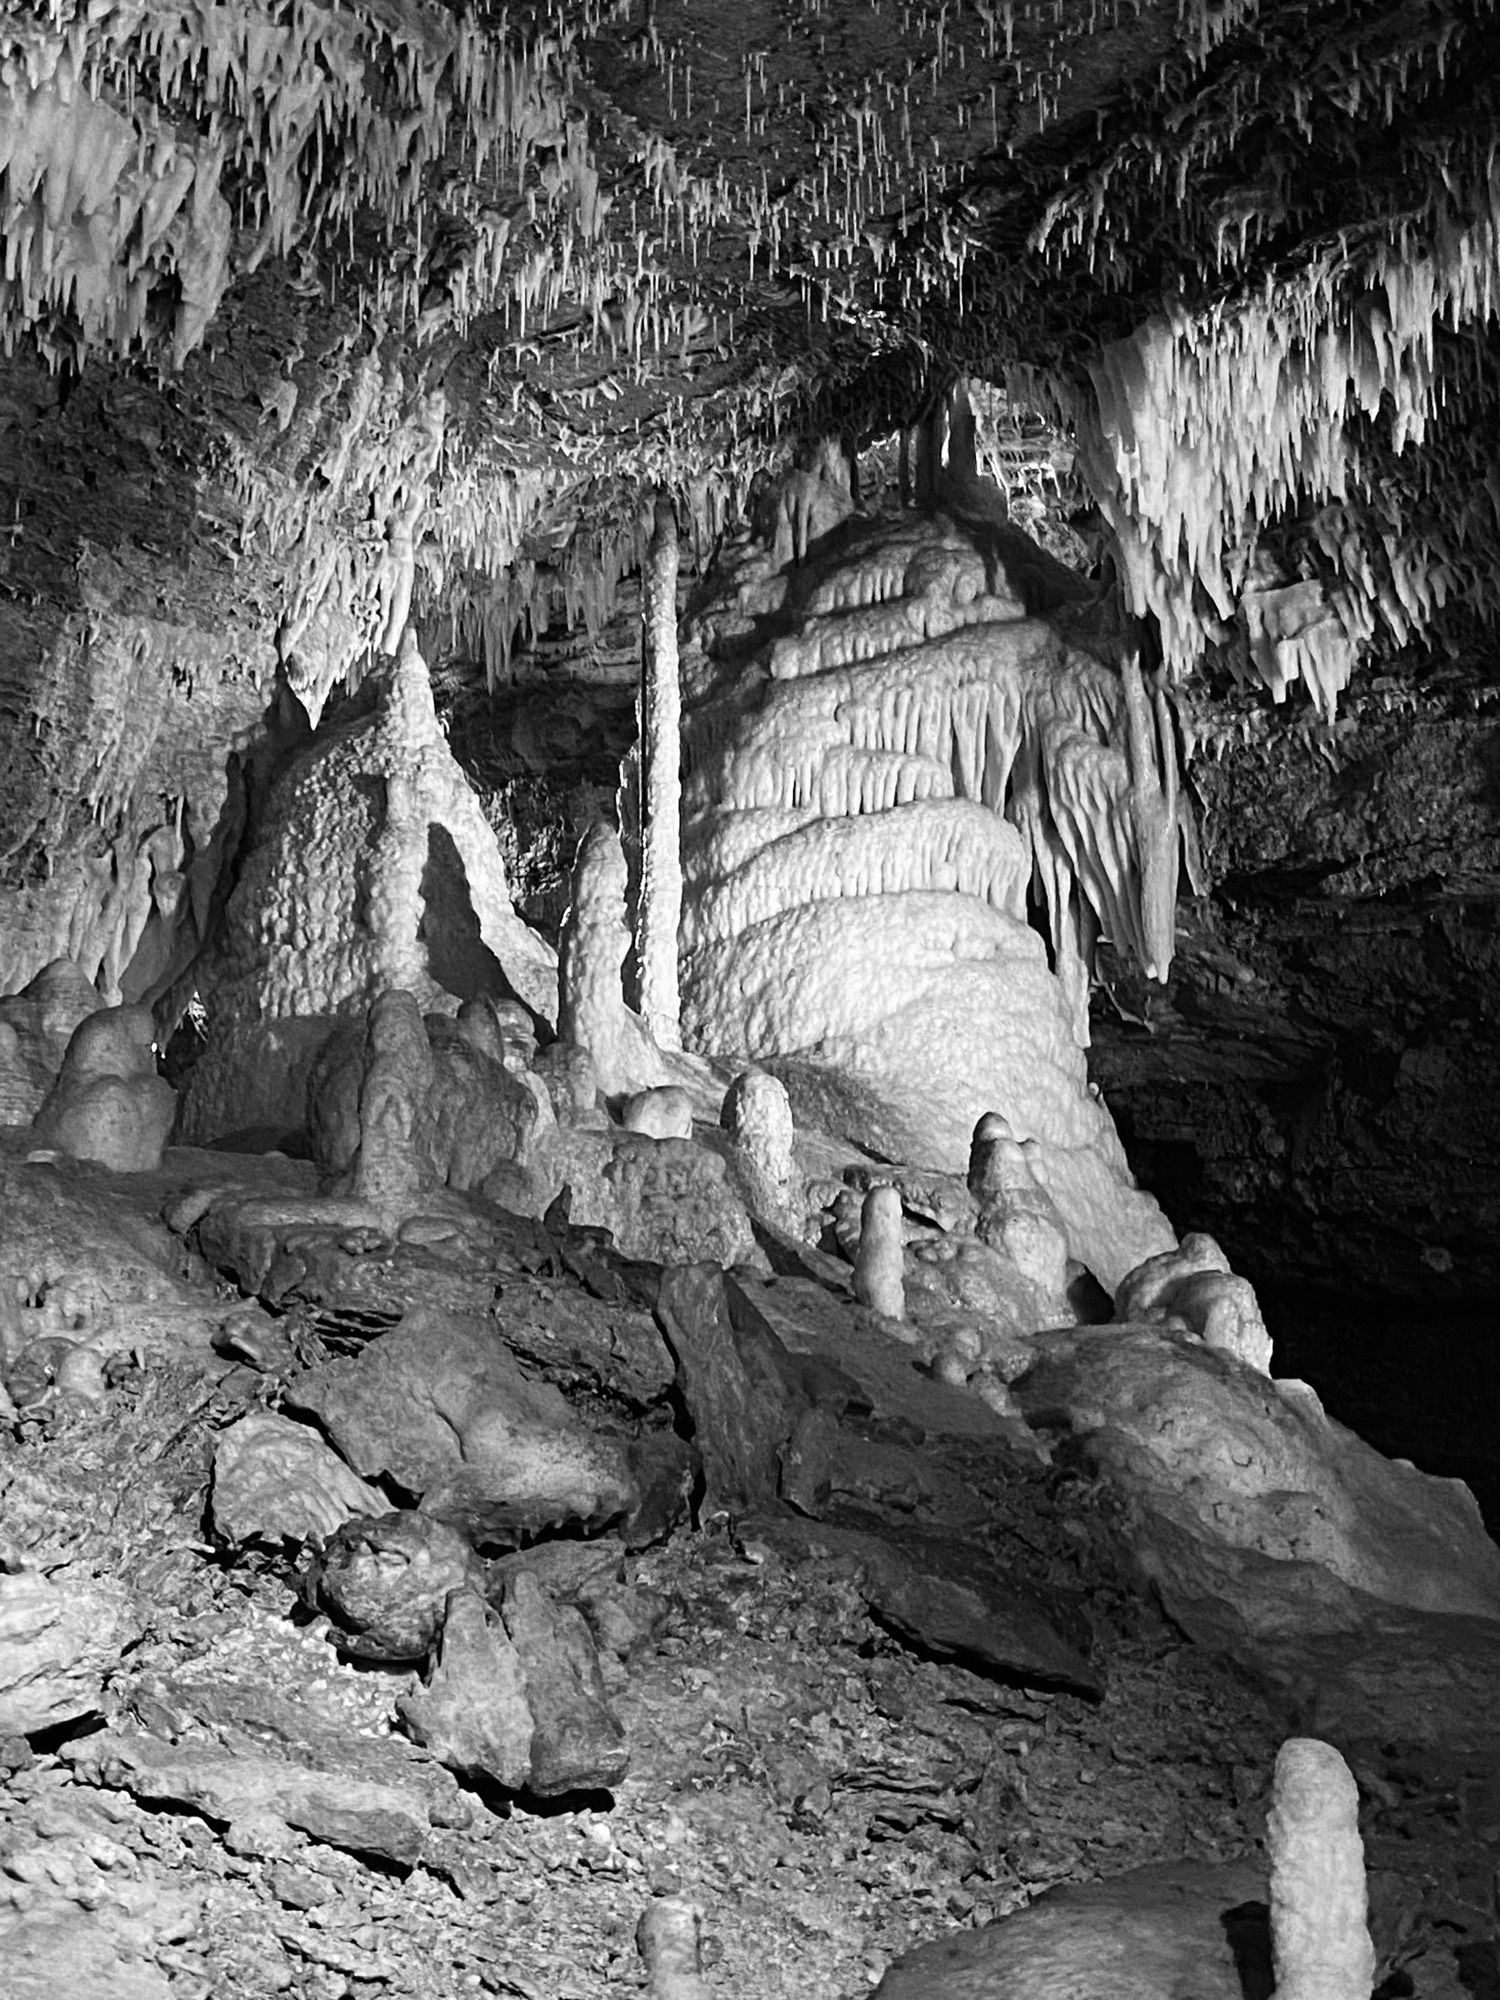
747 1053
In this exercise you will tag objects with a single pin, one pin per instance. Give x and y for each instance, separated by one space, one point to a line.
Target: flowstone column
660 904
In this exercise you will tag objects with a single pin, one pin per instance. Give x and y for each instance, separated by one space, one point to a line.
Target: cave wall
1319 1085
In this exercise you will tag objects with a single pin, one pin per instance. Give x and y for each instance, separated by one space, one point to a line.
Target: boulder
579 1744
1249 1509
1364 1591
61 1636
471 1712
275 1480
664 1112
440 1406
59 1949
386 1581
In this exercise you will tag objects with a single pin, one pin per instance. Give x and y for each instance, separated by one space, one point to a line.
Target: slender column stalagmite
661 791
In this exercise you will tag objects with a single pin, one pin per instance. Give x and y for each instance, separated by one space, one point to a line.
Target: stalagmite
1320 1941
757 1114
1016 1214
661 787
880 1267
591 1009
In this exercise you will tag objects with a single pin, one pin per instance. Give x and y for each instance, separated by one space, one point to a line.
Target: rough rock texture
275 1480
396 1104
441 1407
59 1637
40 1019
50 1951
1228 1475
108 1103
386 1581
856 894
471 1711
1153 1934
579 1744
1276 1534
666 1199
373 818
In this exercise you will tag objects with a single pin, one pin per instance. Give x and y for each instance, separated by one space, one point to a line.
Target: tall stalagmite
661 791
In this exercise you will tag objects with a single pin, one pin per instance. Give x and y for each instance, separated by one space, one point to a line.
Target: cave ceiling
390 303
317 319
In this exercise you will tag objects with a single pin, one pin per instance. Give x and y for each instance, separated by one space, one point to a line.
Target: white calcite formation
885 757
591 1008
375 869
880 1265
1320 1941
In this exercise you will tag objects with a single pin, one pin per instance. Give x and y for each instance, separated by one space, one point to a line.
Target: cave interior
749 820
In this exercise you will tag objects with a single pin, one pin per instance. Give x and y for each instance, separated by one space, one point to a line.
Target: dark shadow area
1248 1929
457 956
1416 1382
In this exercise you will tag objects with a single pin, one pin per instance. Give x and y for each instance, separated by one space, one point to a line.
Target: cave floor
826 1795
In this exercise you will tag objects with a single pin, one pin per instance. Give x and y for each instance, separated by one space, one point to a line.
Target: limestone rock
58 1949
1159 1933
275 1480
1255 1516
665 1200
579 1744
1320 1941
1194 1286
945 1597
60 1639
261 1096
880 1262
440 1406
108 1103
396 1105
471 1712
571 1076
386 1580
327 1796
738 1394
757 1114
374 868
665 1112
40 1020
591 1008
868 800
983 1286
1016 1214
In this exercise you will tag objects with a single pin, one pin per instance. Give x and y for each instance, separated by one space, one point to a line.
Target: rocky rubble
414 1596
